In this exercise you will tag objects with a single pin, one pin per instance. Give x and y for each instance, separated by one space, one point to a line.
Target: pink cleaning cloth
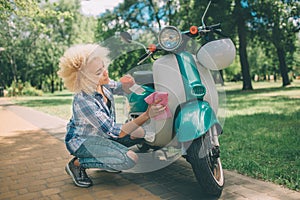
164 101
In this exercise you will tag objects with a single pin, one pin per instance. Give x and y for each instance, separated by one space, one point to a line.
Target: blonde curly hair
75 70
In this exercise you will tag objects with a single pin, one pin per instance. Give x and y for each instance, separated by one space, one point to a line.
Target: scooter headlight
169 38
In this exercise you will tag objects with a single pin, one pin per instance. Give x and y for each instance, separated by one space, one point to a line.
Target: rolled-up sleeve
116 87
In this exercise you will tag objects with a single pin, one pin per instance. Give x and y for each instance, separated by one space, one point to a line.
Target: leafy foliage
273 21
240 21
34 37
34 34
23 89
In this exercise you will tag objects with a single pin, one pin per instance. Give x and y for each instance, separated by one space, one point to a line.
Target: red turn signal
152 47
194 30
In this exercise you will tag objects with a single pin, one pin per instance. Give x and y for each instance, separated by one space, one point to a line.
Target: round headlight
169 38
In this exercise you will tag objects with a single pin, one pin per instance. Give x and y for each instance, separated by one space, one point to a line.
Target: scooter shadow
175 181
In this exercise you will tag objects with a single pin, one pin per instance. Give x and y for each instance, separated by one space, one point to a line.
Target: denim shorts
104 153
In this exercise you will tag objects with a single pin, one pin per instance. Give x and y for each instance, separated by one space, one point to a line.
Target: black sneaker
78 174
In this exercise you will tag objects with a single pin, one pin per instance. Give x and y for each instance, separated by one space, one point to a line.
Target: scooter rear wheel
206 165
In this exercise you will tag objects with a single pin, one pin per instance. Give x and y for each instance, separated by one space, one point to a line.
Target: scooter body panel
179 75
190 76
167 78
207 80
136 101
193 120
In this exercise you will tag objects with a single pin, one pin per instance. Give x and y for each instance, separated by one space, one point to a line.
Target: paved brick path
33 158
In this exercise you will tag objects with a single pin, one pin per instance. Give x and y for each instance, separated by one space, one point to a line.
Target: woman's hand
127 82
155 109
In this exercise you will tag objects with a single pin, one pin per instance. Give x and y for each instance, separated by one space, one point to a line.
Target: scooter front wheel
205 161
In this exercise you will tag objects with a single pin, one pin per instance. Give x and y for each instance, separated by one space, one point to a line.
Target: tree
17 35
242 15
146 16
59 25
34 37
272 23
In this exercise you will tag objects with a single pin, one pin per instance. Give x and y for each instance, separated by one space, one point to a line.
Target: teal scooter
192 98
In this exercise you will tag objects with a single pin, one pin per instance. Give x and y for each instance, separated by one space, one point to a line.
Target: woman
93 137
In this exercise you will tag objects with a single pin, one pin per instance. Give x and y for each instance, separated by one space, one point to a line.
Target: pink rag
164 101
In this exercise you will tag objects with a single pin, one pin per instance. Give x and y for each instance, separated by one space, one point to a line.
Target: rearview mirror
126 37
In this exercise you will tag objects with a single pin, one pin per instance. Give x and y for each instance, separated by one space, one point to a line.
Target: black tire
206 167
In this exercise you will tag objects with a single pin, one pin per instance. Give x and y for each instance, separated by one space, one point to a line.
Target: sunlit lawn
59 104
261 131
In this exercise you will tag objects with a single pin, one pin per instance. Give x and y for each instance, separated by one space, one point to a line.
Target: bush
23 89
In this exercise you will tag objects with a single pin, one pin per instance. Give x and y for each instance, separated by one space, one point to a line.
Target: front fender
193 120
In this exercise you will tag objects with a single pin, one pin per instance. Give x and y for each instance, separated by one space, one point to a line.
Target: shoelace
82 174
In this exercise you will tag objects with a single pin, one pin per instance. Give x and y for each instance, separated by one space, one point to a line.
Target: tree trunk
14 68
283 67
155 14
52 86
60 85
241 26
52 79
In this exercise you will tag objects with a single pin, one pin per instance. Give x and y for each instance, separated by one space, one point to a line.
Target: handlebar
144 57
200 31
214 26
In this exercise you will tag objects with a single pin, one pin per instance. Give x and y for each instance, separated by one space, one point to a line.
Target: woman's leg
128 141
78 173
100 152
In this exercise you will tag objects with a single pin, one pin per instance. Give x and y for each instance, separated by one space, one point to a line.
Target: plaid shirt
92 116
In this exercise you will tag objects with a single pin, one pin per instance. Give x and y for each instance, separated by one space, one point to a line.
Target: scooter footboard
194 119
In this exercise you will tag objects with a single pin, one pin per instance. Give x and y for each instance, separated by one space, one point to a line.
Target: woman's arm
125 83
152 111
116 87
98 118
133 125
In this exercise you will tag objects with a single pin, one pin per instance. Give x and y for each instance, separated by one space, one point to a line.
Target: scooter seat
143 77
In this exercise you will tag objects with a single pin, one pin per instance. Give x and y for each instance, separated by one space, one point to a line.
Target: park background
261 133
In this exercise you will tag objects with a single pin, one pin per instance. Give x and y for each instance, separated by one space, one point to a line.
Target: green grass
59 104
261 133
261 130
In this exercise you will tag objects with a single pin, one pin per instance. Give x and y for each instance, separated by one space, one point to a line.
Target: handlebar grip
143 56
214 26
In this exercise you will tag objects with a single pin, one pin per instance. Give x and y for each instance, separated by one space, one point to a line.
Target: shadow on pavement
175 181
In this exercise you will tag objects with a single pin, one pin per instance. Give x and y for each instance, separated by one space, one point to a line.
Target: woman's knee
132 155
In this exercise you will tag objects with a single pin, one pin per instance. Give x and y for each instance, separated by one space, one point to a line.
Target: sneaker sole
109 171
69 172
